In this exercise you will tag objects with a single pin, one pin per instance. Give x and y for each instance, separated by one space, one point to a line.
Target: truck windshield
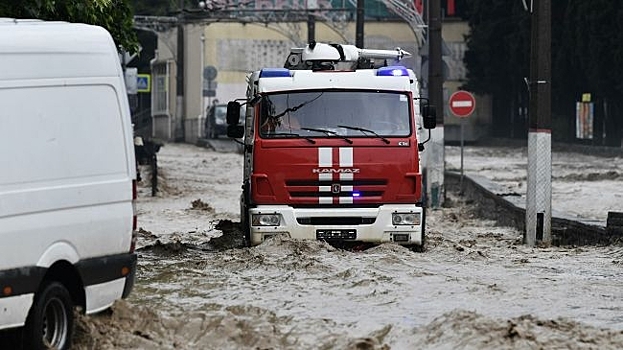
385 114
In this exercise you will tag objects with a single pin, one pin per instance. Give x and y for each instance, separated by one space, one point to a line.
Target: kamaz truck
331 149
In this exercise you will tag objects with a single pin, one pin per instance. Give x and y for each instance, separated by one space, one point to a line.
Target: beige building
218 56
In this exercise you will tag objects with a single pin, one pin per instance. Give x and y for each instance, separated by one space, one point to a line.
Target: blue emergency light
275 73
392 71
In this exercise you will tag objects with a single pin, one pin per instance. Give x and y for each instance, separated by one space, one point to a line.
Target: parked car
216 123
216 120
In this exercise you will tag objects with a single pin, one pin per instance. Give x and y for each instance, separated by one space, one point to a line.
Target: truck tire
50 320
245 220
246 229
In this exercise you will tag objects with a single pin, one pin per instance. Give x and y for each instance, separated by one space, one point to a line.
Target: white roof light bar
346 53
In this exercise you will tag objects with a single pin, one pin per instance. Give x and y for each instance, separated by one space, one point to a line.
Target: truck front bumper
371 225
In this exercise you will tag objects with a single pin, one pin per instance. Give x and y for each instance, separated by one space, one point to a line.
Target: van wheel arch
67 274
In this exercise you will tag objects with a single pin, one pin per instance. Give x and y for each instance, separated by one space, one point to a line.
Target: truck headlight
409 219
266 219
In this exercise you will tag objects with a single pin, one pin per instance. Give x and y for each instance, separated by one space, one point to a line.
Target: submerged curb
509 209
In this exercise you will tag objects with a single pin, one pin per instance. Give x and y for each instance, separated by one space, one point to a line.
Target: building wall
478 124
236 49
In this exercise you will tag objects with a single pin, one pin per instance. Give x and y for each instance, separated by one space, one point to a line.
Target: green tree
497 58
162 7
114 15
155 7
586 53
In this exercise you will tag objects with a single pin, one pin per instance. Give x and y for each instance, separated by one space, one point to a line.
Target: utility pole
539 191
180 132
359 24
435 157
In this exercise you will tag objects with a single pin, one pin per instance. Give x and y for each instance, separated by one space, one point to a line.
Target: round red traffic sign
462 104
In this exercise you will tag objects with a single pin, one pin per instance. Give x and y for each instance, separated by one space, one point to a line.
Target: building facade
218 56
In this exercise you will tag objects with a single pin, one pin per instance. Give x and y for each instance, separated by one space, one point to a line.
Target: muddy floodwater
475 287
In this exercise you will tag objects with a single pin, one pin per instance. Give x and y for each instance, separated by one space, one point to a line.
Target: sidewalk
585 187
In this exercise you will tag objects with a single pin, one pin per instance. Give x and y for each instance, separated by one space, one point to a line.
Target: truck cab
331 149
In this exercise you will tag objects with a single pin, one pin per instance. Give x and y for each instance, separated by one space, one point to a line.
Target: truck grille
298 189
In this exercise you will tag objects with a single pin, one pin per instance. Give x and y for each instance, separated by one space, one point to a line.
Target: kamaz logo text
335 171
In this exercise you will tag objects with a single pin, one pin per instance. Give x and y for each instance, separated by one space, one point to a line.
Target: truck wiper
329 132
312 141
365 130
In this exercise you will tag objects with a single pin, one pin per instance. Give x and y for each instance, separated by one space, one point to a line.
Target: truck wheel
246 229
50 320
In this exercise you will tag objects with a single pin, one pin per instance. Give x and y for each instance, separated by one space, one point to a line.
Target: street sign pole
462 105
462 144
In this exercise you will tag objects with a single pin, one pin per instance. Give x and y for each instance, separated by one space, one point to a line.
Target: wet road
475 287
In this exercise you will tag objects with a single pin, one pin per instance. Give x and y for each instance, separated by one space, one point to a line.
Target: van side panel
14 309
67 167
81 180
71 121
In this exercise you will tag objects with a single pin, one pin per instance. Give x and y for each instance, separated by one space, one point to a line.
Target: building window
160 89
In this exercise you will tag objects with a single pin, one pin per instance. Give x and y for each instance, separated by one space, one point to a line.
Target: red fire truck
331 148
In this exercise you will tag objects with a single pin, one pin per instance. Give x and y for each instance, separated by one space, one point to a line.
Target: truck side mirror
233 113
235 131
429 115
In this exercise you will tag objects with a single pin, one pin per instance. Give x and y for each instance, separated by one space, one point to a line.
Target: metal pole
462 144
203 99
311 28
359 24
179 102
435 61
539 189
436 155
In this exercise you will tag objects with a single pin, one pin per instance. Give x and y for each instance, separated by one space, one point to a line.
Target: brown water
475 287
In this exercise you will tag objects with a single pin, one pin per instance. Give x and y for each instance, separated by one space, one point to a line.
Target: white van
67 178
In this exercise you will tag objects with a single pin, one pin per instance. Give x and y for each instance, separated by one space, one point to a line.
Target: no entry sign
462 104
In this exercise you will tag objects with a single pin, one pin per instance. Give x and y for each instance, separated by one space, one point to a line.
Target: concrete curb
508 209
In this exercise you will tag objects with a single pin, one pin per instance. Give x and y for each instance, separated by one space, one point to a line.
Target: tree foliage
154 7
161 7
114 15
587 51
497 57
498 45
